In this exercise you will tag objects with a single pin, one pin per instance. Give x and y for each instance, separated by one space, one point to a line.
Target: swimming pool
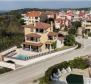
22 57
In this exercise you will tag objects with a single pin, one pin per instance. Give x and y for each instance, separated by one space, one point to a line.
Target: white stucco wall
7 65
59 43
8 50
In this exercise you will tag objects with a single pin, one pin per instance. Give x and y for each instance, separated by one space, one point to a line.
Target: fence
38 55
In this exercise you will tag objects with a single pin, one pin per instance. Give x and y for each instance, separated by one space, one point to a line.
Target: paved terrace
27 74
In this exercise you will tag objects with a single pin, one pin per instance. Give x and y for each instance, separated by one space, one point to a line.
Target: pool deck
24 52
84 72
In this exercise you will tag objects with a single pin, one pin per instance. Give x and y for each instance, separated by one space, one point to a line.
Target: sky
19 4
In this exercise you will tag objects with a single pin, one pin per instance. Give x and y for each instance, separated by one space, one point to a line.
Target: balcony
33 37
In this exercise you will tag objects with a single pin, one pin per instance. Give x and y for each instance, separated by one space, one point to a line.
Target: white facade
7 65
30 20
59 43
87 25
57 25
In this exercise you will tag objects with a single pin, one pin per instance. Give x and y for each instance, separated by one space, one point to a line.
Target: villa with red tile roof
39 37
33 17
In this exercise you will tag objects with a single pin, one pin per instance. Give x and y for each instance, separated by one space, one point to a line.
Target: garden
78 63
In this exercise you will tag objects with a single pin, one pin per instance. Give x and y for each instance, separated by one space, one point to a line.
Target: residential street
28 73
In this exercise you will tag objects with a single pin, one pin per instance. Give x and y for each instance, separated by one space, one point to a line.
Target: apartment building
86 24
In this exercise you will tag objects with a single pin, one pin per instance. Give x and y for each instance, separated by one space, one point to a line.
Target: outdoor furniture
55 75
59 72
68 69
64 71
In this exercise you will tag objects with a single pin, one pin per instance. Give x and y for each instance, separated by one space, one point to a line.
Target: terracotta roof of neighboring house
52 34
29 26
41 25
50 13
33 44
33 13
60 37
33 35
69 14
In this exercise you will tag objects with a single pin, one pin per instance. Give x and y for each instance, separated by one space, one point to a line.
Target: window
37 30
36 17
47 46
40 30
34 39
50 38
36 21
37 39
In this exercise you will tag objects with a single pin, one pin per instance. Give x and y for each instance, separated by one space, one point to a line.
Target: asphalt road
28 73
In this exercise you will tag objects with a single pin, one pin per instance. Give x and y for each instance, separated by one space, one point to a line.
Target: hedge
78 63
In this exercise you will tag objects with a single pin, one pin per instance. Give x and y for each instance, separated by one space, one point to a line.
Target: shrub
62 65
54 44
49 73
79 63
89 34
42 80
69 40
19 46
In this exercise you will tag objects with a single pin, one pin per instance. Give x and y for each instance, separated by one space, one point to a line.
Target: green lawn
63 48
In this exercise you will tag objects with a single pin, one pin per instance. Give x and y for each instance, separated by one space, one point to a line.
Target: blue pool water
22 57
